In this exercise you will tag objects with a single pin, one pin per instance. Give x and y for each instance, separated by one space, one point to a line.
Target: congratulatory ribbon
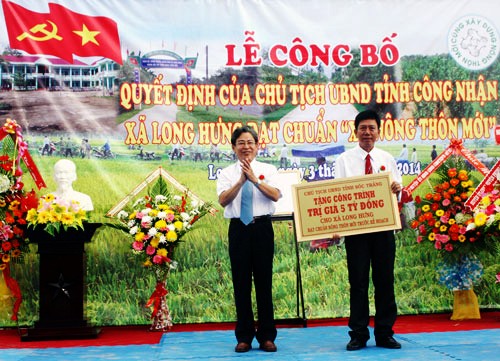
155 299
14 130
456 147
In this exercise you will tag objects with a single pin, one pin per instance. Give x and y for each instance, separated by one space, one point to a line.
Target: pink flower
170 217
438 245
137 245
498 278
444 219
442 238
150 250
490 209
419 239
158 259
446 202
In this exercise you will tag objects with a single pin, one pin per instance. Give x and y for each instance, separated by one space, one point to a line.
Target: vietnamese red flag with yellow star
61 32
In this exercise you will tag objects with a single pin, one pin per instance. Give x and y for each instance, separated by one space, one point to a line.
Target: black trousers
377 250
251 251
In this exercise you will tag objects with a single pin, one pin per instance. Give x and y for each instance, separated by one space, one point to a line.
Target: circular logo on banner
473 42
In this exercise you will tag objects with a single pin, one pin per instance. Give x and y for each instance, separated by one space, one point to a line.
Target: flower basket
445 225
157 224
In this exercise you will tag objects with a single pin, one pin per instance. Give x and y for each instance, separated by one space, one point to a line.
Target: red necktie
368 165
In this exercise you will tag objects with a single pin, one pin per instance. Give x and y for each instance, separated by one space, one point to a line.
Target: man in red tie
377 249
245 184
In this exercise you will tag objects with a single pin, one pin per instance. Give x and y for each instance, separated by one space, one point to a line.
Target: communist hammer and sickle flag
61 32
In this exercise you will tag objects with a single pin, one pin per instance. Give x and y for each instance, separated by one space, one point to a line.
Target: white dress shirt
261 205
352 163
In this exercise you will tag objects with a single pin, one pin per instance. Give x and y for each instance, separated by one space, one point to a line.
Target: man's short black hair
366 114
244 129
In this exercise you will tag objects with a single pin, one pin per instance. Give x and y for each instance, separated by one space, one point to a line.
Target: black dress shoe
243 347
388 342
268 346
355 344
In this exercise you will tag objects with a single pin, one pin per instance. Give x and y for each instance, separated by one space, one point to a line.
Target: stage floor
312 343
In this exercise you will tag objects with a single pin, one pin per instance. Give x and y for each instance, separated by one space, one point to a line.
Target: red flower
6 246
452 172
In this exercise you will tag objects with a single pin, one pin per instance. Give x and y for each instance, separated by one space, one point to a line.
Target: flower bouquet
14 205
54 213
444 223
486 217
156 223
442 218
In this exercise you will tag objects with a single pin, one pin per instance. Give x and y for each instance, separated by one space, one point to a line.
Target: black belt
257 219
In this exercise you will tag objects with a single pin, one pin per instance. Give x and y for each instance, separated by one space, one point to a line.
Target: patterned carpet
473 340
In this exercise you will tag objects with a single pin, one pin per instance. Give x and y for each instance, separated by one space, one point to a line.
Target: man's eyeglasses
242 143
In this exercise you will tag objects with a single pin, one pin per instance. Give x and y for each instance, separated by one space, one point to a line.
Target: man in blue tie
247 192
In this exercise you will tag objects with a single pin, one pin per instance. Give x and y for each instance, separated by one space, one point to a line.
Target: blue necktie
246 215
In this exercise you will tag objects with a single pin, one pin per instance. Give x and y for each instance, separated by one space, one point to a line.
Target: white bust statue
65 175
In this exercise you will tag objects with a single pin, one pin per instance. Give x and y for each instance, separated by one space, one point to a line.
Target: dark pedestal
62 285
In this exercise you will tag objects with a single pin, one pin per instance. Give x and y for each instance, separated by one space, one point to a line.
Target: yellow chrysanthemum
171 236
178 225
161 224
147 263
55 217
32 216
139 236
14 205
432 236
461 238
162 252
486 201
452 221
43 217
132 215
443 228
480 219
67 219
153 213
49 198
426 208
57 208
80 216
162 207
437 224
5 258
439 212
154 242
